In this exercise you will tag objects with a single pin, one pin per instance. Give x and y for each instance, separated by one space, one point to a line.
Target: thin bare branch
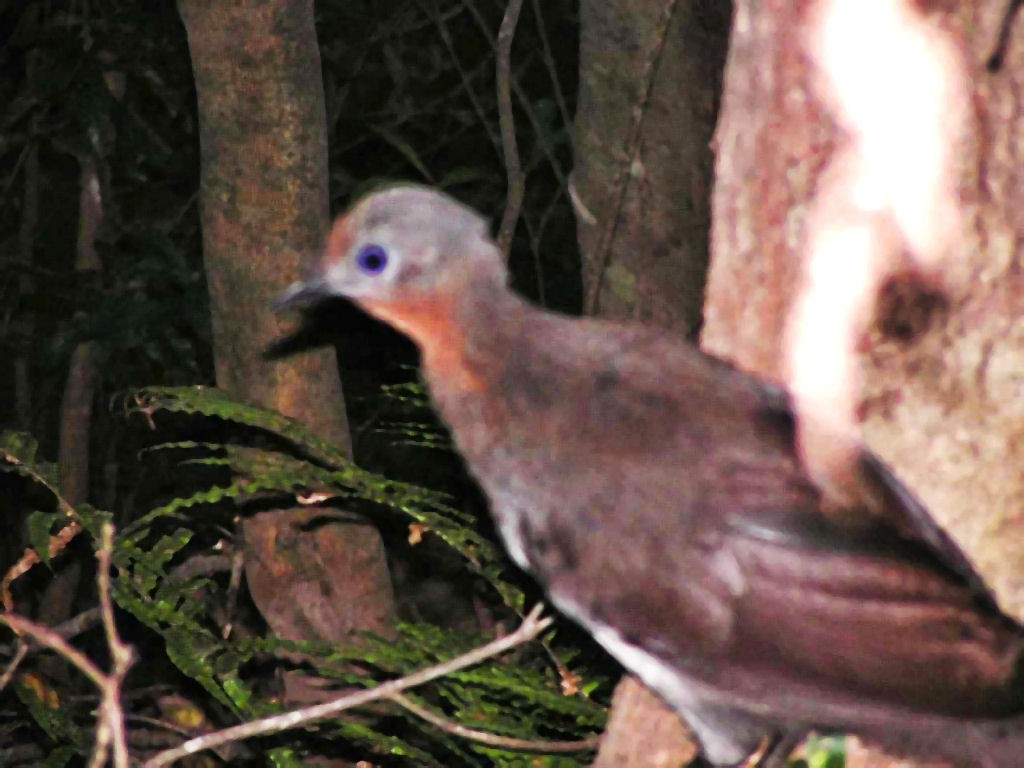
523 101
112 721
464 76
507 122
19 656
58 542
549 63
536 235
110 732
67 629
492 739
50 639
532 626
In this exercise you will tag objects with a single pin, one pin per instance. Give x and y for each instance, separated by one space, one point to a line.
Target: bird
656 493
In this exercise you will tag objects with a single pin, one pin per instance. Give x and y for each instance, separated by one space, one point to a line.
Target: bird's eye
372 259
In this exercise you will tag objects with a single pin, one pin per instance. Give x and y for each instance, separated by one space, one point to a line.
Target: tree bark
76 406
76 402
264 208
643 731
650 78
941 400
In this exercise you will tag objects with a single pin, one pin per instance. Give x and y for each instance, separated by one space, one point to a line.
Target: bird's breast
431 322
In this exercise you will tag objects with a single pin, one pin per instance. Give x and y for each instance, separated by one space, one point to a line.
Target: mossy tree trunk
264 208
650 78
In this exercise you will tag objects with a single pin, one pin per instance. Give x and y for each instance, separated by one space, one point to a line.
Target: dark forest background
278 538
106 294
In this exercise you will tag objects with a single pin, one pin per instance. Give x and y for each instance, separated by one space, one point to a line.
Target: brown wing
901 509
883 497
874 618
675 510
879 604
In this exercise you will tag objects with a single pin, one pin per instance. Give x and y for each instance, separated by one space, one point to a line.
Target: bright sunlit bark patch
895 84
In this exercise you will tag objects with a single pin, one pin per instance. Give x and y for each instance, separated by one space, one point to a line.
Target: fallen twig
532 626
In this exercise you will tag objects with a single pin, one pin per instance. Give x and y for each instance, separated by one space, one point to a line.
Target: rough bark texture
941 401
264 208
316 581
643 731
76 405
652 269
773 140
263 194
76 402
859 756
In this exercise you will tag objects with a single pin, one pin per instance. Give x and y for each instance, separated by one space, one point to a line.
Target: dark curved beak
303 293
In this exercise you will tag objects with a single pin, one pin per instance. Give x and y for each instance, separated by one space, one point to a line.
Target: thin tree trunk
73 458
76 404
650 78
264 207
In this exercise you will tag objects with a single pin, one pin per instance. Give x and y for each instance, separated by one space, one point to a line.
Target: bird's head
403 254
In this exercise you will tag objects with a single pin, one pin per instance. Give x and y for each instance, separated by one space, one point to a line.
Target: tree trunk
650 75
76 403
650 78
643 731
73 452
941 402
264 208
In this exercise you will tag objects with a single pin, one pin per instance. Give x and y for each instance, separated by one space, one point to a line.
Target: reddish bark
942 378
264 209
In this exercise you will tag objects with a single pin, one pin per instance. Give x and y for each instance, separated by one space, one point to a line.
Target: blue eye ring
372 259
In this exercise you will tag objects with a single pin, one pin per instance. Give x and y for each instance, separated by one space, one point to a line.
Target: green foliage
44 708
420 434
273 458
40 527
19 452
105 85
320 468
410 95
824 752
